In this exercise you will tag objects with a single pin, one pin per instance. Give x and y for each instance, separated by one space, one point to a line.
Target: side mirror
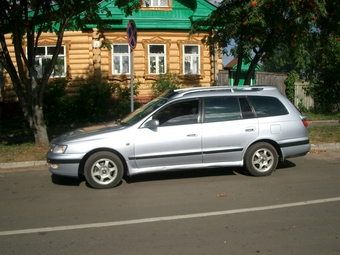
151 124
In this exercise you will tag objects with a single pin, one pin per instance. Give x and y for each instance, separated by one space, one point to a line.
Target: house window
121 59
43 57
156 3
157 56
191 59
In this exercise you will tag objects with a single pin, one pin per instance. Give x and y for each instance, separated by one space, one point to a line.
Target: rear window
267 106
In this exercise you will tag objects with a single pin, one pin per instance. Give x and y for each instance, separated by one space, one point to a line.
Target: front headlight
59 149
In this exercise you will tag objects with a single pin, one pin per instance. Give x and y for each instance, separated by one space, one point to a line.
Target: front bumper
69 170
63 164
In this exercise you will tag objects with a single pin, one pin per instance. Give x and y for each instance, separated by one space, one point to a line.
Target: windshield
146 109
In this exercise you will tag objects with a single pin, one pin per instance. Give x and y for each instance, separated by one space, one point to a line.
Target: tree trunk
238 69
39 128
252 68
31 108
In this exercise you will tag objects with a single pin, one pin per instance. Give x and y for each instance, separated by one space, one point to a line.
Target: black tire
103 170
261 159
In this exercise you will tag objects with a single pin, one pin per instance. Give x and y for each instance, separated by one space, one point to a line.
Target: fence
301 97
223 78
274 79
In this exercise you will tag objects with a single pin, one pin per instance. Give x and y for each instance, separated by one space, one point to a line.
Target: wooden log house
163 45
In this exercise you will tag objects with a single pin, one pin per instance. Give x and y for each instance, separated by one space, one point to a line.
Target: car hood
88 132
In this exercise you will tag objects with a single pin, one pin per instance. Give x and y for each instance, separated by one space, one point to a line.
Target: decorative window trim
111 75
116 68
181 44
155 40
66 45
154 8
158 64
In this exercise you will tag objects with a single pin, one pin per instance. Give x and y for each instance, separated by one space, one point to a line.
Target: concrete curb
322 121
325 146
328 146
22 164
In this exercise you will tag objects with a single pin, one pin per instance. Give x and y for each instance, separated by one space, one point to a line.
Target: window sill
191 76
119 77
154 76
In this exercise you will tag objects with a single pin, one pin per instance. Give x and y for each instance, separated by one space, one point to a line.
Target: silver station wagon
251 127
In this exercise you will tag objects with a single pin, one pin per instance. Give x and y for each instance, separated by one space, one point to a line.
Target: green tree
324 69
27 20
279 62
325 84
317 60
260 27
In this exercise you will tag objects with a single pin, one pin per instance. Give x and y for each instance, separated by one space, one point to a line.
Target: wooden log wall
84 60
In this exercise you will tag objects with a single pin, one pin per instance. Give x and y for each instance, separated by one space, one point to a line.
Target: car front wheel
103 170
261 159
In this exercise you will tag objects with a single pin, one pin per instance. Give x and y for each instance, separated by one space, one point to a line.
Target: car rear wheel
103 170
261 159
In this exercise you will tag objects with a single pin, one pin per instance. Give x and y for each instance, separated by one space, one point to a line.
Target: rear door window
221 109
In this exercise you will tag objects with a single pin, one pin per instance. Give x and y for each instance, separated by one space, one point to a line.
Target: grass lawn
318 117
324 134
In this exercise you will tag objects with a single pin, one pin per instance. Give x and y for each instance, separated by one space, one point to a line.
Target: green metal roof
203 10
179 18
245 66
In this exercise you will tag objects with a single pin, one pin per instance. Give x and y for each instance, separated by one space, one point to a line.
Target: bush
165 82
326 97
122 104
325 88
57 105
293 77
93 103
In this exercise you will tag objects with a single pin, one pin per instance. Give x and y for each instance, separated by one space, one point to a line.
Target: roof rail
232 89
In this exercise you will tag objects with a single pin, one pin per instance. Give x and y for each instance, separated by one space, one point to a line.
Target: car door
228 127
176 141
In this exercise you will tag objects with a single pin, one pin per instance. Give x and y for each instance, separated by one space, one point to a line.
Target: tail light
305 122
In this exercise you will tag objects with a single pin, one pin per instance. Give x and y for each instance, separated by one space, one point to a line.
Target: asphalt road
213 211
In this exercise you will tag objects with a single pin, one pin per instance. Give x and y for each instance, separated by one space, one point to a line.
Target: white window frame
39 59
118 67
191 60
155 65
156 3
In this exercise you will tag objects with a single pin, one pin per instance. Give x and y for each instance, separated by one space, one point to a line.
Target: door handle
191 135
250 129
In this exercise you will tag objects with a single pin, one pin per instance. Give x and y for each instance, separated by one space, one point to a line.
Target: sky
225 59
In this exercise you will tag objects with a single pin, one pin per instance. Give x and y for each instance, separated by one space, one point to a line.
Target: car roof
225 90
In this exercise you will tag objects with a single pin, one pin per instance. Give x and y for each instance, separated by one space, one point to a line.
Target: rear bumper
295 149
